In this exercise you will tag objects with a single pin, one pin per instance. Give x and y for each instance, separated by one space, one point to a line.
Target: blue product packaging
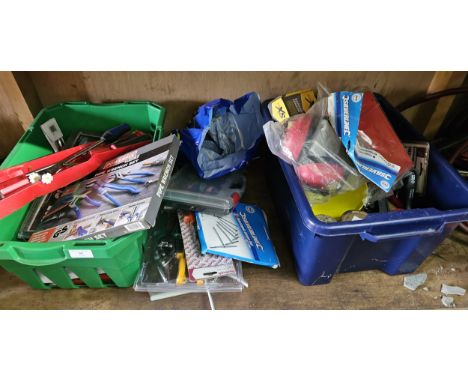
368 137
242 235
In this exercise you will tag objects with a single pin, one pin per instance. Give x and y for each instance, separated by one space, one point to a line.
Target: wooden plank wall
179 92
182 92
15 114
428 117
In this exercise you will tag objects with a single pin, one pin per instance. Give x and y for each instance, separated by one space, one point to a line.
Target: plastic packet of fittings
343 141
309 143
223 136
166 267
151 279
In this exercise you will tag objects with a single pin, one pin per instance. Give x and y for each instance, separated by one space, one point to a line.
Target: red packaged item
296 134
310 144
368 137
319 175
376 132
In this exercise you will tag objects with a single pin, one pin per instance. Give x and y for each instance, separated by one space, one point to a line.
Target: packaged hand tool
419 154
187 191
23 183
407 192
309 143
242 235
352 120
201 267
163 271
368 137
31 220
123 196
288 105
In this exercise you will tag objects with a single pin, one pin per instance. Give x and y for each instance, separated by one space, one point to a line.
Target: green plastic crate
119 258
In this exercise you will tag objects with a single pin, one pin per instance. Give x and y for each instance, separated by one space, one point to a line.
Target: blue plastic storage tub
394 242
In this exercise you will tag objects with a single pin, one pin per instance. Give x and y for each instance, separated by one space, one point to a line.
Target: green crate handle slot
38 257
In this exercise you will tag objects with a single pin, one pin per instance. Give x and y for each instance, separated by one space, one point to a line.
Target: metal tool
219 237
69 202
234 232
130 177
232 238
409 189
155 163
228 222
30 221
23 183
81 138
163 255
103 189
350 216
44 174
36 210
107 137
53 134
419 154
129 139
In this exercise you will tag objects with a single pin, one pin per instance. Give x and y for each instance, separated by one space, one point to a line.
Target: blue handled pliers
129 177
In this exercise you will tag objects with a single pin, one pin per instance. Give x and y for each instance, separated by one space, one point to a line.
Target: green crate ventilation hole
74 278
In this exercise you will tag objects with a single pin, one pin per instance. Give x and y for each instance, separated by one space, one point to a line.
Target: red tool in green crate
23 183
73 264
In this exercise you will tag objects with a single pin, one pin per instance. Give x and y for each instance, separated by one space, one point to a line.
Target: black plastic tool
409 189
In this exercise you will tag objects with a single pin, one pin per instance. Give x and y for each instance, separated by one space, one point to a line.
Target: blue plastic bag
223 136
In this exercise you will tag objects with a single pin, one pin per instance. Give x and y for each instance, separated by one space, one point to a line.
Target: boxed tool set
219 196
123 196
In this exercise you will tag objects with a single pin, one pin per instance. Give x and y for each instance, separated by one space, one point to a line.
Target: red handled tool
21 184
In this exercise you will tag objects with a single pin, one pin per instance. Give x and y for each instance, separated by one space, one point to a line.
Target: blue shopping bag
223 136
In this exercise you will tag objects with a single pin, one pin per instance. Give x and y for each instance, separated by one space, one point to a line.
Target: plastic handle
115 133
140 138
93 202
133 180
52 257
114 201
181 278
121 187
399 235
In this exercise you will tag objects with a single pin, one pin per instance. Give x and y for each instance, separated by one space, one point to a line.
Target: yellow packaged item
290 104
338 204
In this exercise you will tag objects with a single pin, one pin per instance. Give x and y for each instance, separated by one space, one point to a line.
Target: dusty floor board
270 289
